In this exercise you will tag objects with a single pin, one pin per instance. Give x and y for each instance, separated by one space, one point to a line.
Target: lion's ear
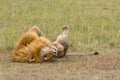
31 58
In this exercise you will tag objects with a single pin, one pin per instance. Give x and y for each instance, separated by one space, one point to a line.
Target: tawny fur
62 42
33 47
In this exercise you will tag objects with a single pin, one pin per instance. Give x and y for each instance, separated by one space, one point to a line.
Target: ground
72 67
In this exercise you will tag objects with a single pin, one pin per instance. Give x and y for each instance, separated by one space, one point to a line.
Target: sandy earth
71 67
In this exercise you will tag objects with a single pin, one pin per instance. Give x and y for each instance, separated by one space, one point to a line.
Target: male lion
33 47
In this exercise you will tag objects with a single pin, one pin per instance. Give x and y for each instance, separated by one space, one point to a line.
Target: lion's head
47 54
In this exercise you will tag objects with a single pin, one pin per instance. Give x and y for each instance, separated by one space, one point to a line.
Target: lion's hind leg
37 30
32 34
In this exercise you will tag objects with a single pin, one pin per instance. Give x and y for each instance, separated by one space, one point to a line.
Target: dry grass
72 67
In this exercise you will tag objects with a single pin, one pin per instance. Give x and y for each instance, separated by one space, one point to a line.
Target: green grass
94 25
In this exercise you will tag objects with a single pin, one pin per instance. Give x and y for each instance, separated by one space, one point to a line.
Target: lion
33 47
62 42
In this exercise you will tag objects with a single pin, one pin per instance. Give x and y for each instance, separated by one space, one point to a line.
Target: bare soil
72 67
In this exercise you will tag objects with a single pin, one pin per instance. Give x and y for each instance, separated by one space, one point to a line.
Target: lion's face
47 54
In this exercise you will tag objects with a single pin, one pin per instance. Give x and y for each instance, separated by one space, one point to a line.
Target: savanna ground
94 26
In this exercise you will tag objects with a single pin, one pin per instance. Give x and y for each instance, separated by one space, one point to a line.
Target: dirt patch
71 67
